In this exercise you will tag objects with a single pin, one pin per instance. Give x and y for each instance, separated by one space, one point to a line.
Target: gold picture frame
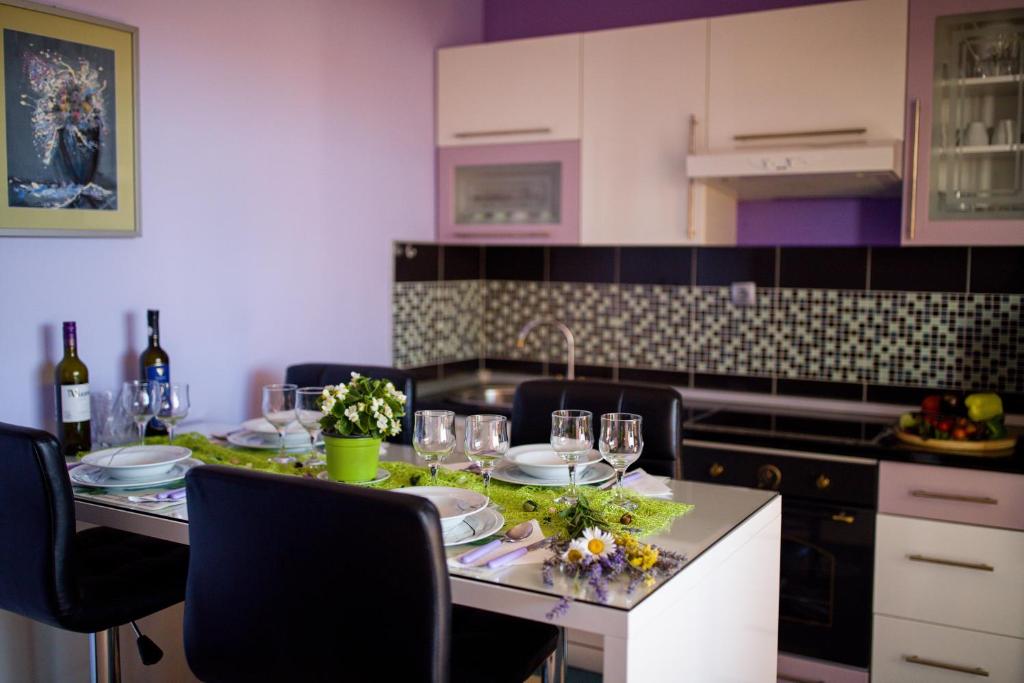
68 124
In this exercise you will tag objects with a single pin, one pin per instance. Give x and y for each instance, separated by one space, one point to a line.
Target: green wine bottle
72 384
154 366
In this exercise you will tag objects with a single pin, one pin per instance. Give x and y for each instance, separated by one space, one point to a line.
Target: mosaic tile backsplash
679 323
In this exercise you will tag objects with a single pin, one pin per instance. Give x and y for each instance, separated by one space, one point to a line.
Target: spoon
516 533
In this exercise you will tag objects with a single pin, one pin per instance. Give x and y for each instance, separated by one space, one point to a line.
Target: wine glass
486 443
169 403
279 410
572 436
307 412
135 401
621 442
433 437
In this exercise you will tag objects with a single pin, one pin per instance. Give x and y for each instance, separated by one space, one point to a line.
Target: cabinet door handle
980 500
509 235
691 147
915 137
973 670
980 566
505 131
799 134
844 518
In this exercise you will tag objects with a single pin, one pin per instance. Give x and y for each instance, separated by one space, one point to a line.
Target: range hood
853 169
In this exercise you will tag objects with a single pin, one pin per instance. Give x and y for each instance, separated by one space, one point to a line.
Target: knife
510 556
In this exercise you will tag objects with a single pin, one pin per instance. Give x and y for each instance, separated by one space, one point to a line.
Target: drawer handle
973 670
463 235
844 518
799 134
981 500
797 679
980 566
506 131
717 469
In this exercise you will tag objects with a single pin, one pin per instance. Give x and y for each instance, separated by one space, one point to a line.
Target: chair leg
555 665
105 656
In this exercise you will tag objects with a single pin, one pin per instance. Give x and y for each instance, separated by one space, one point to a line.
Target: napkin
645 484
533 557
121 500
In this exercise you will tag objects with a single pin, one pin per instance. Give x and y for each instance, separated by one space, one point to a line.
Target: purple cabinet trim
819 222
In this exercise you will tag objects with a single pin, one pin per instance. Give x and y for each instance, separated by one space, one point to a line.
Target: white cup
976 134
1005 132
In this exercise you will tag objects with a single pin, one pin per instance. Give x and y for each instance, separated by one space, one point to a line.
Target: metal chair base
105 656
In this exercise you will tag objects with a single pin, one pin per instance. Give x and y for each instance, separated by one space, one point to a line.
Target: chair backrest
37 527
304 580
661 408
321 374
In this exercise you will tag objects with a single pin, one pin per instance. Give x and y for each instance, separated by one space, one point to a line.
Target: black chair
322 374
90 581
333 582
660 406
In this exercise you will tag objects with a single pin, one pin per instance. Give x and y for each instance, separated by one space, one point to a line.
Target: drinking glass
169 403
279 410
620 443
433 437
486 444
572 437
135 401
307 412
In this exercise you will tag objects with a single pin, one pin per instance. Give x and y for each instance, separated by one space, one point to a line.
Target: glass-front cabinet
965 167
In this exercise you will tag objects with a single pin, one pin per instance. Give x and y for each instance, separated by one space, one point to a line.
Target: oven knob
769 477
823 482
717 470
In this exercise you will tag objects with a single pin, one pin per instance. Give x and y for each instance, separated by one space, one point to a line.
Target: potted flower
356 417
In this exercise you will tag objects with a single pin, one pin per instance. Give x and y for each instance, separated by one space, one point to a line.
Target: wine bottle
155 366
72 384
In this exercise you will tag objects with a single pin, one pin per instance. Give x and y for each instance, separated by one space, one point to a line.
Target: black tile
721 266
462 367
919 269
676 379
461 263
761 385
424 372
799 387
911 396
997 270
514 263
582 371
655 265
582 264
823 268
415 262
522 366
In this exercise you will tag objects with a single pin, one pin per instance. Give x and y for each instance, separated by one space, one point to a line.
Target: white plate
132 463
85 475
269 442
382 475
453 504
511 474
260 425
476 527
539 460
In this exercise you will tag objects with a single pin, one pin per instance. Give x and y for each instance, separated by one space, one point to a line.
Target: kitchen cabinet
786 75
965 100
514 91
644 110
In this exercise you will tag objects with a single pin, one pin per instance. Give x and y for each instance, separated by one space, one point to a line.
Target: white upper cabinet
828 67
644 107
515 91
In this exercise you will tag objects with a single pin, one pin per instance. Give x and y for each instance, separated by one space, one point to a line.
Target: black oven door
826 581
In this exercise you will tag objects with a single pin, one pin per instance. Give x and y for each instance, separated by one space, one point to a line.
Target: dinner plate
269 442
87 475
453 504
382 475
476 527
131 463
261 426
511 474
540 461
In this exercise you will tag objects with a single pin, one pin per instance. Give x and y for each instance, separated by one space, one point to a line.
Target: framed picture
68 124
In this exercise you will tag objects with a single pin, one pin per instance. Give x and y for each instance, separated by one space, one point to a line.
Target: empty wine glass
135 401
307 412
279 410
572 437
433 437
169 404
486 444
620 443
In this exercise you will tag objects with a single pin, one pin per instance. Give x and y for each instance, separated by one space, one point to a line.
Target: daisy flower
599 543
576 552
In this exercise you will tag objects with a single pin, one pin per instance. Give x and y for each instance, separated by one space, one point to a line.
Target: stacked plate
465 516
537 464
258 433
131 467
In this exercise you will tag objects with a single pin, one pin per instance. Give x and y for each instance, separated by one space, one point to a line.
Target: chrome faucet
570 340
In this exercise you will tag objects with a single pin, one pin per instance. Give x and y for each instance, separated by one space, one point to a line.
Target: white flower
400 397
360 406
382 423
356 375
326 393
327 405
576 552
395 427
341 391
375 404
351 413
387 411
389 387
599 543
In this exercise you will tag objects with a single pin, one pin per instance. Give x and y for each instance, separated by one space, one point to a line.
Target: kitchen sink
485 395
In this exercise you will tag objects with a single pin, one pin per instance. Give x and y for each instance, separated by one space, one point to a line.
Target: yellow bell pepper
982 407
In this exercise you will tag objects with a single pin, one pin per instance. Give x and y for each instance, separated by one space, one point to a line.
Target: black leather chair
322 374
90 581
333 583
661 408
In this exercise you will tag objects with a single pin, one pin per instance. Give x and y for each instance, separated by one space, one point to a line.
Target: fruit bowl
950 445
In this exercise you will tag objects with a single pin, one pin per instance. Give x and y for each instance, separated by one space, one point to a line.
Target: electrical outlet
743 293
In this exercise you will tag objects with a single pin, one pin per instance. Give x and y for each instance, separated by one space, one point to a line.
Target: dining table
714 619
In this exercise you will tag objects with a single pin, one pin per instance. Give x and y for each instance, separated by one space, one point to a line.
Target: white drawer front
953 574
896 640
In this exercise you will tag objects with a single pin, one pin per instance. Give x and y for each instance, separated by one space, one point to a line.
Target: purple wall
284 145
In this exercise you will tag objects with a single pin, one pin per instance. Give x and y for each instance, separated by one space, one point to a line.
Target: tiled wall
859 323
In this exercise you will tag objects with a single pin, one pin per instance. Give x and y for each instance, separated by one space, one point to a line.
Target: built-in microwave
515 193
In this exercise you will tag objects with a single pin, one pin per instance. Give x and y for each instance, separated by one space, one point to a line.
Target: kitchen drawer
987 657
984 592
793 669
952 493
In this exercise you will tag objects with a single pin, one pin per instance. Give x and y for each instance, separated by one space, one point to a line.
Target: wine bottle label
158 373
74 402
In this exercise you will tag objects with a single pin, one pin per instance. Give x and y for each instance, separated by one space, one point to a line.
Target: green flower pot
352 458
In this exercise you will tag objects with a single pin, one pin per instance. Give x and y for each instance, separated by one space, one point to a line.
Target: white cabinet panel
832 66
515 91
